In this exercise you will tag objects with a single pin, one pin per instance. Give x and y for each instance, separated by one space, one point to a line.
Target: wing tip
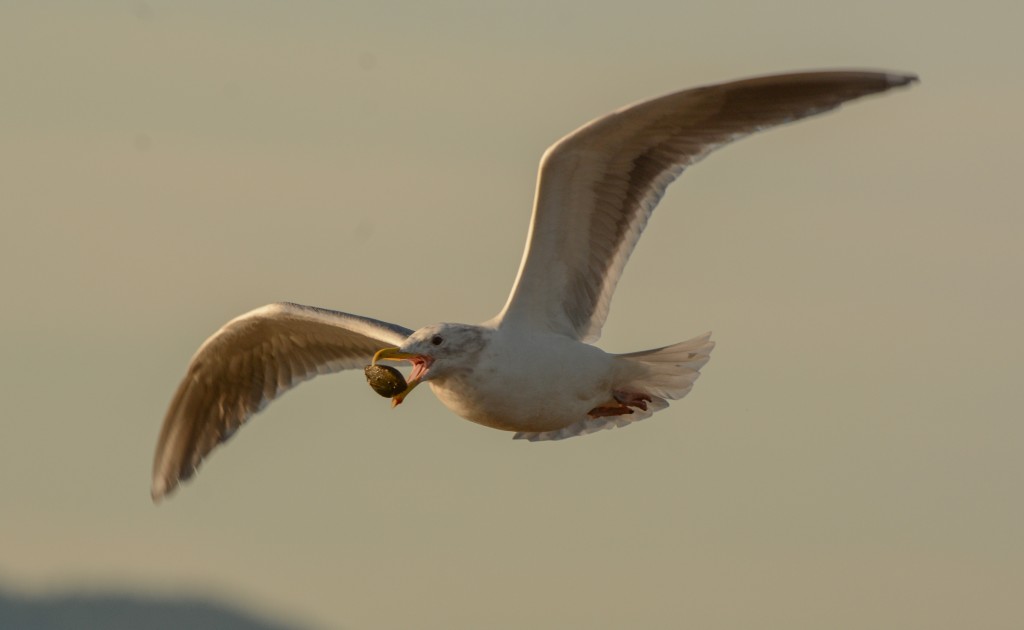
899 80
161 488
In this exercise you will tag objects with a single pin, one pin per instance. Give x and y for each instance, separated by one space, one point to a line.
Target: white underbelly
544 386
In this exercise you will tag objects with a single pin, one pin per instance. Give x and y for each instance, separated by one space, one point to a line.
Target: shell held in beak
385 380
421 365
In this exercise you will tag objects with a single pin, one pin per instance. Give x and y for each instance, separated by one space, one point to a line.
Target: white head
436 352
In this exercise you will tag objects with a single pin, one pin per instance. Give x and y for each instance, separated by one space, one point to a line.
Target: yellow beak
391 354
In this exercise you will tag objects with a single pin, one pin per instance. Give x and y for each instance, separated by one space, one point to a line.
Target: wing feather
248 363
598 186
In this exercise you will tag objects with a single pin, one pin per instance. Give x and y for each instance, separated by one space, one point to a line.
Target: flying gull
531 369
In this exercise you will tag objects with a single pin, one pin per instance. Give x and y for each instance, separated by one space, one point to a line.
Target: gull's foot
626 401
633 399
609 410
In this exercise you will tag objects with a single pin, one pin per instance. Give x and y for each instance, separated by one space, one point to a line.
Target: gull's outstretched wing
249 362
598 185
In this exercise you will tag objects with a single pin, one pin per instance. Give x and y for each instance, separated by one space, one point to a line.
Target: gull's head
436 351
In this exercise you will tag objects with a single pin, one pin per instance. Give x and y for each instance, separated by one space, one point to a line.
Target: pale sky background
853 456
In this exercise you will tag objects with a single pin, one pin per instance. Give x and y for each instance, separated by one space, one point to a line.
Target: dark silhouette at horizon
77 610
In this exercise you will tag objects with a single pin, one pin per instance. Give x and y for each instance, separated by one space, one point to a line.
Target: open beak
420 366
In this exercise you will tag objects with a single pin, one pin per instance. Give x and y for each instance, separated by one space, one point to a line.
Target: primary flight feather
530 369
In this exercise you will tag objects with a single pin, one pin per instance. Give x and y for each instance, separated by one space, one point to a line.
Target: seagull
532 369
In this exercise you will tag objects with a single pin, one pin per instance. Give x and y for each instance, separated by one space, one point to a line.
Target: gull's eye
437 340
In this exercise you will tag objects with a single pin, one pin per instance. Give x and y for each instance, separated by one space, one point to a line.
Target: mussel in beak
385 380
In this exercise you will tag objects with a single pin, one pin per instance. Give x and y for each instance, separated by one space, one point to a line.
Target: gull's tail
669 372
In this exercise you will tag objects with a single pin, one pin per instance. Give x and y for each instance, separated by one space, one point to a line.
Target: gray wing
598 186
249 362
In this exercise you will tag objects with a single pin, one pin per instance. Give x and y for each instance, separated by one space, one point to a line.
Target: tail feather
670 372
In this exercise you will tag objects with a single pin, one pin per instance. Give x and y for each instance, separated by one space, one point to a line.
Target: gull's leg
624 400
